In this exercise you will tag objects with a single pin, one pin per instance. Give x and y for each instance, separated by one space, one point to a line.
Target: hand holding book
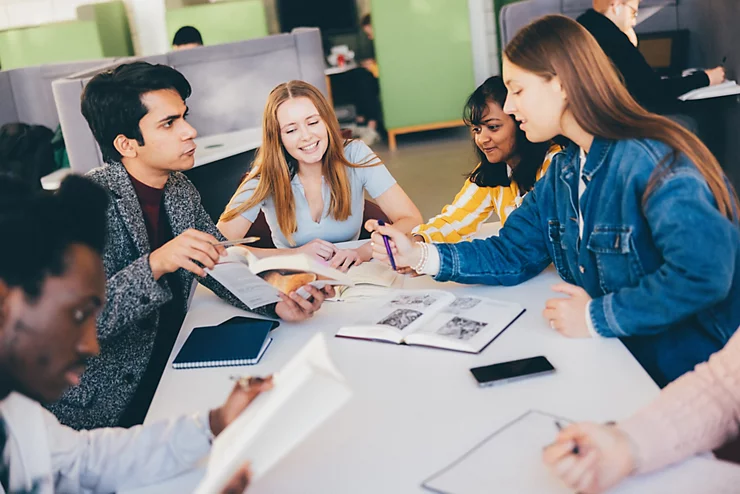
243 393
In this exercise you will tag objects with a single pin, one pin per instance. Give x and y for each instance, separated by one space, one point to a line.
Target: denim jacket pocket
555 233
617 261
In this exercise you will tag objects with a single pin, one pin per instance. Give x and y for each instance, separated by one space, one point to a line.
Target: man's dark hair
111 101
38 227
187 35
366 20
26 151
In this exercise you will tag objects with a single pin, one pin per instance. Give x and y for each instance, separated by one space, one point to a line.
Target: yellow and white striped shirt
473 205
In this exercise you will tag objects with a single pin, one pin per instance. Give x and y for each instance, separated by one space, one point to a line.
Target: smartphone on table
511 371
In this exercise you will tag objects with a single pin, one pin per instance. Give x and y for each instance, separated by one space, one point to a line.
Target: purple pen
388 247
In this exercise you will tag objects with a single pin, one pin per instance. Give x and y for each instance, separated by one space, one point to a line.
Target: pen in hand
241 241
388 247
575 449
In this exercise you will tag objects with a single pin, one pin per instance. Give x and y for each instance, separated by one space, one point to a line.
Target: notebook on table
510 460
238 341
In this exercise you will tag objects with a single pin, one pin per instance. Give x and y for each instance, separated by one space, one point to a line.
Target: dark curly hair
531 154
39 227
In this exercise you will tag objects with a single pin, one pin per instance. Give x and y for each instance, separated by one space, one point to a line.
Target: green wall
425 59
223 22
49 43
113 29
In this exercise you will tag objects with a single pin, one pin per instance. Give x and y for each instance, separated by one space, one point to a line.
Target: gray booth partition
230 86
26 93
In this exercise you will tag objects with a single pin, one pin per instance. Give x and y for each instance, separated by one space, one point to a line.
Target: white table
413 410
220 146
209 149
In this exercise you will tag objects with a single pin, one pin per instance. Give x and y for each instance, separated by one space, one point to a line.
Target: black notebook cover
238 341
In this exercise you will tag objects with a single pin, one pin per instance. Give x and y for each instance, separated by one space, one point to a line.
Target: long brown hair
555 45
275 167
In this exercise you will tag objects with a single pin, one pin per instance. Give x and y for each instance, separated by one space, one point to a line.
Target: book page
297 263
510 460
371 279
468 324
372 273
236 277
726 88
306 392
398 314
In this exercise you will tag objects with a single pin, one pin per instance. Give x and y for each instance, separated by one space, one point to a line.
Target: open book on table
369 279
510 460
256 282
306 392
434 318
727 88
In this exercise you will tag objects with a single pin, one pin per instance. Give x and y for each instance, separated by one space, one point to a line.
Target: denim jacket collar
594 160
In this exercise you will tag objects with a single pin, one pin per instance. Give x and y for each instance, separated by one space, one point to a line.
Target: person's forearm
698 412
113 459
365 251
407 223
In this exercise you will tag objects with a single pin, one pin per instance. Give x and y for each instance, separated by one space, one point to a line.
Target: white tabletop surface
413 410
220 146
209 149
54 179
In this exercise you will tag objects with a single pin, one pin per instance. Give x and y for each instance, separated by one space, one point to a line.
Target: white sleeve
590 323
431 266
111 459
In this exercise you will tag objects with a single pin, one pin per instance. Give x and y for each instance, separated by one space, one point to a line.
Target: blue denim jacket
664 274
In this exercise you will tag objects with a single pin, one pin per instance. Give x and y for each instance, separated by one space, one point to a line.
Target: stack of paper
727 88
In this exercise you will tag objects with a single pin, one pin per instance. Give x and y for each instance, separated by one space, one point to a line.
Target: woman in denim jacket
636 214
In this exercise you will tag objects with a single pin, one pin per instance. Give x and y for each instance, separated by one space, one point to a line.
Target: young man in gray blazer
160 238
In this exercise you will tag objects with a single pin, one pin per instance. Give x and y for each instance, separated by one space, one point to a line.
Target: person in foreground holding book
160 239
636 214
52 286
612 23
310 182
508 167
697 413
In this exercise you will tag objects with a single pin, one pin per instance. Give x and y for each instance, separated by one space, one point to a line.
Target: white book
369 280
727 88
306 392
510 460
434 318
257 281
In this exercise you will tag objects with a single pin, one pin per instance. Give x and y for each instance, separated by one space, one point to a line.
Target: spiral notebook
238 341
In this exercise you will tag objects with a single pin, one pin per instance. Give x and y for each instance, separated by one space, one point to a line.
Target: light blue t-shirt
375 179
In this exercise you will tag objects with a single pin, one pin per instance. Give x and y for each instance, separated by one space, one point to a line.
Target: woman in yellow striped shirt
509 167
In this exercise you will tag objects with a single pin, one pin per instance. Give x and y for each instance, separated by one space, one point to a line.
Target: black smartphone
511 371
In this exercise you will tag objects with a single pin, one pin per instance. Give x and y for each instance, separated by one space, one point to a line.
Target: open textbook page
306 392
434 318
257 282
510 460
370 279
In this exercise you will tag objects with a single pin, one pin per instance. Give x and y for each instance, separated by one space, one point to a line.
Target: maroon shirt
150 200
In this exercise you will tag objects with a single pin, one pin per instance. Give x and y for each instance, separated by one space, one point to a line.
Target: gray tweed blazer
128 323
